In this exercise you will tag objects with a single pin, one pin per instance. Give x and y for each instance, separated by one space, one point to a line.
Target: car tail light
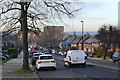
53 61
39 62
85 57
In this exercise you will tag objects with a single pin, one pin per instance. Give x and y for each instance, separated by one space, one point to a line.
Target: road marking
84 75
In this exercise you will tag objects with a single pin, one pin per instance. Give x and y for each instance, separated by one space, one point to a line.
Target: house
33 38
91 44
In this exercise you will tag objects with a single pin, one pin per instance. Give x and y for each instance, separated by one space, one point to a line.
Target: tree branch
9 10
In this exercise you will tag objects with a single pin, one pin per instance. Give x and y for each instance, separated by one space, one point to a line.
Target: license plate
47 62
75 60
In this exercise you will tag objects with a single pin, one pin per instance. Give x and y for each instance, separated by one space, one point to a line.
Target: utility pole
82 34
110 30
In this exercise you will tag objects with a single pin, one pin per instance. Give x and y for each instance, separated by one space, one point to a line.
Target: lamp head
81 21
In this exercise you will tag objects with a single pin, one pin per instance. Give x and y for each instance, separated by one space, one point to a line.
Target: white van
74 57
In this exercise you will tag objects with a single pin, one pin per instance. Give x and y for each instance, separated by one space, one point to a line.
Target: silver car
116 57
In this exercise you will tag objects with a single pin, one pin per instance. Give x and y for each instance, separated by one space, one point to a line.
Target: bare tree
24 13
108 35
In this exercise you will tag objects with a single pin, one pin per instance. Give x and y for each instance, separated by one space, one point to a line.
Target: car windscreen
46 57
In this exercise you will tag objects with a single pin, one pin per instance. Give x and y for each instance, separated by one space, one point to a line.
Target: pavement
99 62
9 70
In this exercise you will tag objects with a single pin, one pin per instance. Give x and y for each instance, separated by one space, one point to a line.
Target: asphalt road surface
80 72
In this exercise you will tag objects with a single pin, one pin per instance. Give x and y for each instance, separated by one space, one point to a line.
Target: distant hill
80 33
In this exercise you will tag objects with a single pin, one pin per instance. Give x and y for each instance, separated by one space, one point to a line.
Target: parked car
53 51
46 60
5 55
35 57
62 53
46 53
2 57
58 53
116 57
4 51
31 53
75 57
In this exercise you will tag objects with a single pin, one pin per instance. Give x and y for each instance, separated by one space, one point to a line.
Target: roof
77 40
65 43
91 40
71 39
84 39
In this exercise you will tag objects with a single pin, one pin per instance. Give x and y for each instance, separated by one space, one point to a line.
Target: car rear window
116 54
46 57
36 55
33 52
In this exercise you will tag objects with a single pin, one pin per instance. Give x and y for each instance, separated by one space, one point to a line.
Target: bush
13 52
99 53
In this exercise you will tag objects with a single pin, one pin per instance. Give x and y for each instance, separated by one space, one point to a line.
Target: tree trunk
105 51
25 38
105 54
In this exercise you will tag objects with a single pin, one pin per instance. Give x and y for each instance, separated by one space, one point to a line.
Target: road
76 72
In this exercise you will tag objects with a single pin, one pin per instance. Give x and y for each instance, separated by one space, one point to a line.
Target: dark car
31 53
35 58
116 57
5 53
2 57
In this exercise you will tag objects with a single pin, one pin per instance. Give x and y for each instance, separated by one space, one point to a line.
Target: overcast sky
94 14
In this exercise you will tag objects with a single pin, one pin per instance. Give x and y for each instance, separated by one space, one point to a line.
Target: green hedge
13 52
100 53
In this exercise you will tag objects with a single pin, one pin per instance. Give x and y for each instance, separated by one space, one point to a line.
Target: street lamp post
82 34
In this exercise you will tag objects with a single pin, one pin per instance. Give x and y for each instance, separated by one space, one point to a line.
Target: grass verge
3 61
21 73
23 70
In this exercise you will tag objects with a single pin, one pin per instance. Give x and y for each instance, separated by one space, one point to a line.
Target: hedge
13 52
99 53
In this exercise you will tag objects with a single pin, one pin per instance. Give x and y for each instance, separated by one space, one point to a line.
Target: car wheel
54 68
113 61
37 69
65 64
69 64
84 65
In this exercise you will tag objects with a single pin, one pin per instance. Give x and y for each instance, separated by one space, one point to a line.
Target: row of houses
51 35
91 43
10 40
